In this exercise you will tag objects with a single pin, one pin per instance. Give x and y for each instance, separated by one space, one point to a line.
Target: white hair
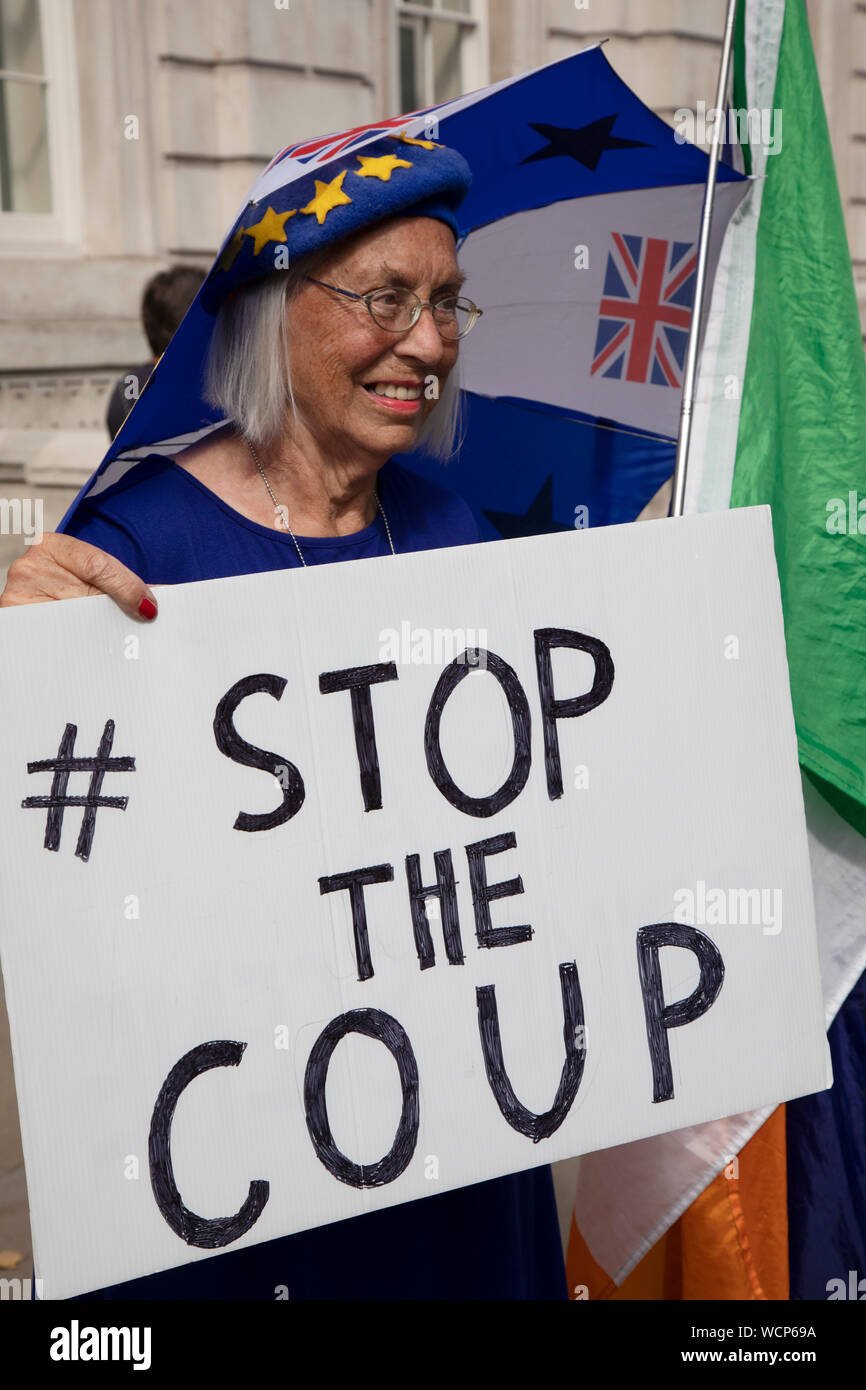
248 370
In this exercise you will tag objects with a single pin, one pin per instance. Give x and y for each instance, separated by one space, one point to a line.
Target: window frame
59 231
474 55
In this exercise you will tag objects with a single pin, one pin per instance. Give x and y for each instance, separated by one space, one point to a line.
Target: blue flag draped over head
579 236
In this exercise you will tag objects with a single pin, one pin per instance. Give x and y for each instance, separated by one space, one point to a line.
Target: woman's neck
333 497
322 497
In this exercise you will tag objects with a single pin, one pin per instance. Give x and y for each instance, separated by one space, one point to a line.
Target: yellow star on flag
380 167
407 140
271 228
328 196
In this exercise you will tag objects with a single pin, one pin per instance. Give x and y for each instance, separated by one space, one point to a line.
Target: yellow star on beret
272 227
407 140
380 167
328 196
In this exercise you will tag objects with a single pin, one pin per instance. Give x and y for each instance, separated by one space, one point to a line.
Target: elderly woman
322 372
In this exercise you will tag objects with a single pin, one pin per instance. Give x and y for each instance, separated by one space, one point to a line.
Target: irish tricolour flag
780 419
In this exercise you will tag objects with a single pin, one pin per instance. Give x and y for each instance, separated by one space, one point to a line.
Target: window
25 182
39 157
440 50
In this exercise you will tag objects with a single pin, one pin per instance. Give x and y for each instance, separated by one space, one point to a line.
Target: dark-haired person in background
165 300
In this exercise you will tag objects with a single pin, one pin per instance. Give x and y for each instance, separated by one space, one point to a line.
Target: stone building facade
130 131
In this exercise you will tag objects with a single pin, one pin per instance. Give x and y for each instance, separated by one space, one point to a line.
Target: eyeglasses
397 310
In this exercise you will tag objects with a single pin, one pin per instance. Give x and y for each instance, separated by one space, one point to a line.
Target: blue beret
390 177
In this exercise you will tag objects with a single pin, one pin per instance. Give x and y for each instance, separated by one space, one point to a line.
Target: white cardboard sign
235 1014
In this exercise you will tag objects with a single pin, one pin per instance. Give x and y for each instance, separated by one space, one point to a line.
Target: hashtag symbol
57 801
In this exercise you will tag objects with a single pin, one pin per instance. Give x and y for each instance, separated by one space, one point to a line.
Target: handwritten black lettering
208 1233
660 1016
230 743
371 1023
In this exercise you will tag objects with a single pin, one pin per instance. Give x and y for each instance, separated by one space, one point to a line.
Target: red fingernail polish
147 609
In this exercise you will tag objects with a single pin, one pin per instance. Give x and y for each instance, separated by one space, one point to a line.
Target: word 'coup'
212 1233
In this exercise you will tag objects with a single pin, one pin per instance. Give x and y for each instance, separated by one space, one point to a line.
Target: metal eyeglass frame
420 306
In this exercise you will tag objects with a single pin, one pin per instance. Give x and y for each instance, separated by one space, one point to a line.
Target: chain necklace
281 511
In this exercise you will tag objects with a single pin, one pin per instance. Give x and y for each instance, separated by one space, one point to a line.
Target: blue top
497 1239
169 528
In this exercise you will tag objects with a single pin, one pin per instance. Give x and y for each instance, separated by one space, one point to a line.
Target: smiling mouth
390 391
397 400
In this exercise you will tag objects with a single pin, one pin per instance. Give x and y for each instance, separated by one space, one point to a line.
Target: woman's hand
62 566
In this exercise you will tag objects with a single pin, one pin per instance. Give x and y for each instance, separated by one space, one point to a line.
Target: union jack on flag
645 310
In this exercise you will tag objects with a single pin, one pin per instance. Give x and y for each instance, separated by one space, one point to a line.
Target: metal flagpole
682 460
